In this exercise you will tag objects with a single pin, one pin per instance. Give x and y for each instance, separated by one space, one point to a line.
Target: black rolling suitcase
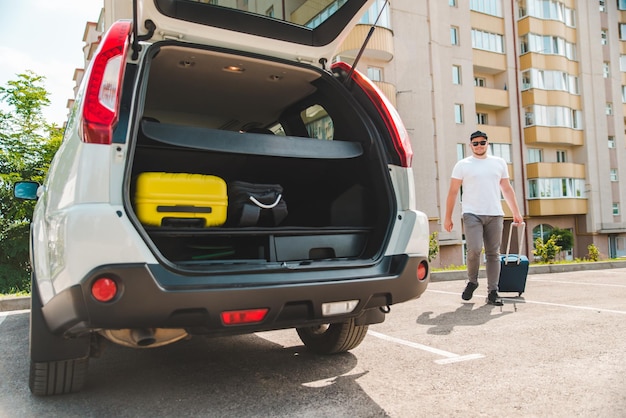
514 267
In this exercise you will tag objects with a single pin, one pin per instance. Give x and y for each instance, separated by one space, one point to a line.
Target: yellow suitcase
173 199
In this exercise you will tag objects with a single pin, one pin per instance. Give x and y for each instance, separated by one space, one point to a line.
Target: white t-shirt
481 184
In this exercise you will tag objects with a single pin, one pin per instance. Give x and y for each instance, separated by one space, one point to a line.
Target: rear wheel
58 365
333 338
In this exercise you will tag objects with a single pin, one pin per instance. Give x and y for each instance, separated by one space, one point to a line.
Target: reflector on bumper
338 308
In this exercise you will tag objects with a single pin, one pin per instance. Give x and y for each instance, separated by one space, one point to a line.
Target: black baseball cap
478 134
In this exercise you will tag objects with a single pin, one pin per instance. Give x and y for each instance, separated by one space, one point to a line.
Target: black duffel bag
252 204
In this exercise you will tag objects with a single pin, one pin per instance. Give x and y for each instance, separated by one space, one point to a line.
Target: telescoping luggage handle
520 236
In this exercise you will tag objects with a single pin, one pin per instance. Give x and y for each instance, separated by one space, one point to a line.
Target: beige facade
549 89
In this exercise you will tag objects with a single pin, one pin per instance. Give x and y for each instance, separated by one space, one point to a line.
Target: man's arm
511 200
455 185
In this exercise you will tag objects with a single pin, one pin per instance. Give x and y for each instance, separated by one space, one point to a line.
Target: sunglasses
477 143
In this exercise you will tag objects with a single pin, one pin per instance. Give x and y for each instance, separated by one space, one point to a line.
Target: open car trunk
199 112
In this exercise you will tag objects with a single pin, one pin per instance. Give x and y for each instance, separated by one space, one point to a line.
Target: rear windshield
310 22
310 14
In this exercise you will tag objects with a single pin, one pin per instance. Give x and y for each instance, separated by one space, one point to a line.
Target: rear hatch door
296 30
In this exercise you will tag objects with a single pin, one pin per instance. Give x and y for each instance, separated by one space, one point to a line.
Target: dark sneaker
494 299
469 290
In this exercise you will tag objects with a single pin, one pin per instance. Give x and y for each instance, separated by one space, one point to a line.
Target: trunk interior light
338 308
389 114
244 316
104 289
102 95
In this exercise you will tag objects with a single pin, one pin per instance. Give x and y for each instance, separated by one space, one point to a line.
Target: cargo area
248 119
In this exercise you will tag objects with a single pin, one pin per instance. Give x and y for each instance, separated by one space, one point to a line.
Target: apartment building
545 79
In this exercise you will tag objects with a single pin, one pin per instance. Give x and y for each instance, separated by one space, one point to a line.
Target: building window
554 188
549 80
371 14
615 209
561 156
535 155
375 73
604 37
501 150
608 109
460 151
456 74
621 4
548 45
490 7
623 94
622 63
480 82
553 116
614 174
458 113
602 5
486 41
606 70
454 35
452 3
622 31
611 142
481 118
548 10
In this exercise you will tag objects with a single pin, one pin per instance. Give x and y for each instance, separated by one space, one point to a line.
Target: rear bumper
152 296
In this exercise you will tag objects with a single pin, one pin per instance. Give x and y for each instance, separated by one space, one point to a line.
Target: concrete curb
442 276
14 303
18 303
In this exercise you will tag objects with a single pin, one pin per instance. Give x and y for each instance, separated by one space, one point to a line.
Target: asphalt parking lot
556 351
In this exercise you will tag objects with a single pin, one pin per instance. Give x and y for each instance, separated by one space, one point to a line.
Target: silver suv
189 101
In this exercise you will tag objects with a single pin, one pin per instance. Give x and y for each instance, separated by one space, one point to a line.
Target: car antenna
367 39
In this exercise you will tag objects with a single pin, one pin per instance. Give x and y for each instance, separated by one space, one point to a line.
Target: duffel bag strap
251 212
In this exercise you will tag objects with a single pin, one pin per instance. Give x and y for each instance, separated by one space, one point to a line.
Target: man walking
483 178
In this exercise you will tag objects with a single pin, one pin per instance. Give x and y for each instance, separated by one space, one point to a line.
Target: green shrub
594 253
547 250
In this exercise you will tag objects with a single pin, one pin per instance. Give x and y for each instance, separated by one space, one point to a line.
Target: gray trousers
483 230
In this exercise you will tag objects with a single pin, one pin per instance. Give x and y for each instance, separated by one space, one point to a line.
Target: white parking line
577 283
449 357
514 300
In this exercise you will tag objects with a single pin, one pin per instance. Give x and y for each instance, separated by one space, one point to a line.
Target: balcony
555 170
379 47
500 134
491 98
548 62
551 98
488 62
389 90
553 207
543 135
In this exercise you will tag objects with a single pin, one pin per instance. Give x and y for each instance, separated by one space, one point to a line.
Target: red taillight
102 96
104 289
244 316
393 122
422 270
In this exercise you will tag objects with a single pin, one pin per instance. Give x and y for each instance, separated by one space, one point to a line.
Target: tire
333 338
57 365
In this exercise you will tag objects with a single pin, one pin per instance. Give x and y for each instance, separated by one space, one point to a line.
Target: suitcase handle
520 236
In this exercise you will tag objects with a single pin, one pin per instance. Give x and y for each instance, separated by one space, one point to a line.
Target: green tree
27 145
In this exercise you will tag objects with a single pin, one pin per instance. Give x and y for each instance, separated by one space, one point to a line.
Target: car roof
296 30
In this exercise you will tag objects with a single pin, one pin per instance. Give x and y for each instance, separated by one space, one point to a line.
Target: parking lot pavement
558 350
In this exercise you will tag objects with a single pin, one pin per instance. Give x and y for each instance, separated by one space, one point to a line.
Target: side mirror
26 190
